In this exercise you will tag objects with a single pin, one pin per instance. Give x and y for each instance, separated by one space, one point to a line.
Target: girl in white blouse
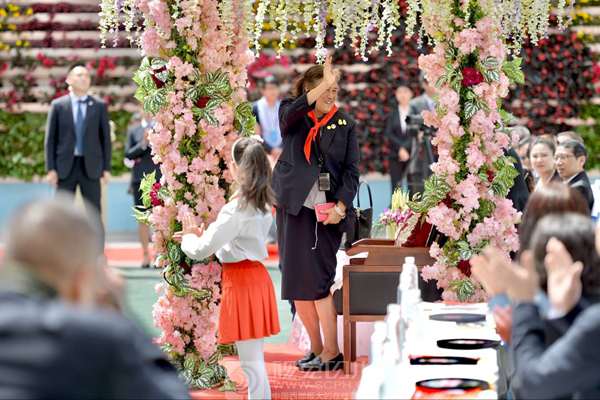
238 238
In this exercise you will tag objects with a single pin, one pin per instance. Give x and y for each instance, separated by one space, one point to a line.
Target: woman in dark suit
318 164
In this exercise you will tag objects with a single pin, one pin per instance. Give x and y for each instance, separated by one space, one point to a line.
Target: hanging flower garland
465 198
192 80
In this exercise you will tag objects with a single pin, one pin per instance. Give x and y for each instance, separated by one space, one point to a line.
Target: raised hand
564 277
330 75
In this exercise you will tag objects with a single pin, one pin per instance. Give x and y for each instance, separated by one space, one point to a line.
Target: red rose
465 267
202 101
156 186
490 175
471 77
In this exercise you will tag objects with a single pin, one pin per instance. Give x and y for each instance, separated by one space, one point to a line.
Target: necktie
79 128
312 134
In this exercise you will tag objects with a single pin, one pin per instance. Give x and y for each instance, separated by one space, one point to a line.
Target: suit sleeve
290 111
50 140
105 139
134 149
570 364
351 174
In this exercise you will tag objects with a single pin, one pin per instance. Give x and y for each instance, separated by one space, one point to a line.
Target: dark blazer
569 367
398 138
53 351
519 191
293 176
140 152
60 138
581 182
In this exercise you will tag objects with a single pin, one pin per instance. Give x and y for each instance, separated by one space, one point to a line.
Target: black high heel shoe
317 364
307 358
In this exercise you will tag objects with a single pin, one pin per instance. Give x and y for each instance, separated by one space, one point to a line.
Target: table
421 338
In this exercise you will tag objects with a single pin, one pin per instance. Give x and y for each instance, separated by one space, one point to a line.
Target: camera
415 124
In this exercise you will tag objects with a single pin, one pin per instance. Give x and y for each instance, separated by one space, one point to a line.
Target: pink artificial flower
151 42
468 40
159 12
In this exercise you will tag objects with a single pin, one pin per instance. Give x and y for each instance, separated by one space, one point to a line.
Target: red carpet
287 382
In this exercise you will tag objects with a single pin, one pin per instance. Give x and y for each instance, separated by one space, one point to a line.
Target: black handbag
359 220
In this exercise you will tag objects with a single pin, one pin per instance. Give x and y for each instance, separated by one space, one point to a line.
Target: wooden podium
375 279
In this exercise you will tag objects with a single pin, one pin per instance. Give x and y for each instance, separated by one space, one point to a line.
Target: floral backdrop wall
34 72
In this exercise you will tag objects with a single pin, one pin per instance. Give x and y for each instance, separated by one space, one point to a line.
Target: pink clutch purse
321 210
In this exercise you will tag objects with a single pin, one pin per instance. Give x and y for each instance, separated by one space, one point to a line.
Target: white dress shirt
403 113
236 235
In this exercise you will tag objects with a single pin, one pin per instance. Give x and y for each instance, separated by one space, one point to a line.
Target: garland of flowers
465 198
192 80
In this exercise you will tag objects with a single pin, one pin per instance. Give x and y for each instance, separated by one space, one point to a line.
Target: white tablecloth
421 340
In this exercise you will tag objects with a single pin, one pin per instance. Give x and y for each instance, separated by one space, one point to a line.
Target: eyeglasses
563 157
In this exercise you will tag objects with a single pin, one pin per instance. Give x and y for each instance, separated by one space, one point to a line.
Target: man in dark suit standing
570 159
137 150
78 148
397 134
421 156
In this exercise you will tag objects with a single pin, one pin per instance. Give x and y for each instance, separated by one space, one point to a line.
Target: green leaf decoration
193 93
244 120
507 118
174 252
155 100
486 208
464 249
470 108
156 63
228 386
490 63
505 176
464 289
513 72
142 215
146 187
491 75
436 190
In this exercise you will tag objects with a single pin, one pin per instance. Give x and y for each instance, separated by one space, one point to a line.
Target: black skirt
307 272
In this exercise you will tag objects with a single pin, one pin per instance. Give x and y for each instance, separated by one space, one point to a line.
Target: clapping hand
498 275
564 277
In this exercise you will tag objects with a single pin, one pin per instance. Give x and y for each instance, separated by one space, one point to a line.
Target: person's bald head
79 80
57 242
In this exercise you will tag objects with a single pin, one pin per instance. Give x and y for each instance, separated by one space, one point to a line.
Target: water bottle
393 320
377 339
407 277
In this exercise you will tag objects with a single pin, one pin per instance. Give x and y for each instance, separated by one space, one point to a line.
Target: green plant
591 134
22 144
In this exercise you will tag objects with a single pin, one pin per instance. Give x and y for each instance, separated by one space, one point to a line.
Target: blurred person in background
59 335
522 149
139 154
266 111
421 156
397 133
570 161
565 136
542 162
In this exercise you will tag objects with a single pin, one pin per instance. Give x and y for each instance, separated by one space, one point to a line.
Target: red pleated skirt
248 305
